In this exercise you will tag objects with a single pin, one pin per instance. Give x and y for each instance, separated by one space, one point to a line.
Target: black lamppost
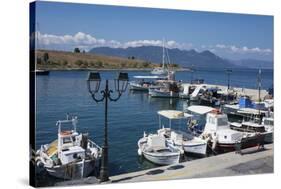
93 83
228 72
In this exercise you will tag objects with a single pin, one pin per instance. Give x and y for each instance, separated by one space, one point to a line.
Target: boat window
67 140
268 122
222 122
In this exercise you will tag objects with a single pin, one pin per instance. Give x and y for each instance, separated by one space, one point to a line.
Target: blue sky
235 36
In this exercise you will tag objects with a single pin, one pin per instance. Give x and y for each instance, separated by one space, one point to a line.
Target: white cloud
87 41
244 49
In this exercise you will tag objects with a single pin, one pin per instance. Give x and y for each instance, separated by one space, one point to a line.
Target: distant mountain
253 63
185 58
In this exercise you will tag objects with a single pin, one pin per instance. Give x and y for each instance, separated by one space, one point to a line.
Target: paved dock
253 93
252 161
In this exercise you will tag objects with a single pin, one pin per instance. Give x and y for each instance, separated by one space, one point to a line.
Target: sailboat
164 69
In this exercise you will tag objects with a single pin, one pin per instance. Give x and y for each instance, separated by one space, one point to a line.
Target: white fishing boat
143 83
183 139
71 156
255 127
155 149
218 131
166 89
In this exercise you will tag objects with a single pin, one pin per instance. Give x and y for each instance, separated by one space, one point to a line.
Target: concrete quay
252 161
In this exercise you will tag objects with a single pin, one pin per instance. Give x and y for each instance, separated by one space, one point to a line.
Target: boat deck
53 148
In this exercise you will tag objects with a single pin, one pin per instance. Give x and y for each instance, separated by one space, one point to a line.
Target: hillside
61 60
184 58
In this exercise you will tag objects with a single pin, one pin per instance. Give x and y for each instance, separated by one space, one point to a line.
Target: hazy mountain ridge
185 58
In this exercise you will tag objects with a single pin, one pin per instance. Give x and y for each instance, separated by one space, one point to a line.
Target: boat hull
162 160
73 171
248 142
138 88
199 149
160 94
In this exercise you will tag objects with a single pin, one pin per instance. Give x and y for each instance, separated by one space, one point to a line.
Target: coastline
110 69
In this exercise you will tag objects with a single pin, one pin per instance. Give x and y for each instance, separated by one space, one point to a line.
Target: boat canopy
149 77
200 109
174 114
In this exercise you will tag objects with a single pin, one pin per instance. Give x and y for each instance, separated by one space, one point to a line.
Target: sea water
63 92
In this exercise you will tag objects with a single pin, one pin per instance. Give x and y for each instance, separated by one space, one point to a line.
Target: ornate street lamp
93 83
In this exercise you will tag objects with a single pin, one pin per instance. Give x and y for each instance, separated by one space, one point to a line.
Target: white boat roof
250 111
249 123
174 114
149 77
200 109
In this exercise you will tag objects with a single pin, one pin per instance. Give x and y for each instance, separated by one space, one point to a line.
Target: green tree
77 50
45 57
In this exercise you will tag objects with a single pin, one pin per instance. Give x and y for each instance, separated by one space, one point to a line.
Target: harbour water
64 92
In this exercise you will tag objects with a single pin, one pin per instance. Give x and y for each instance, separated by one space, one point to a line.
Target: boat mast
259 94
163 54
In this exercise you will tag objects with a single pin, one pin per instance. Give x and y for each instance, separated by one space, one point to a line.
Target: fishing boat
214 96
168 88
143 83
217 130
245 109
264 127
181 138
71 155
155 149
165 89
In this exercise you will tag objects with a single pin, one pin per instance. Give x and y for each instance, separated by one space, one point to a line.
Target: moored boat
71 156
166 89
181 138
222 137
155 149
143 83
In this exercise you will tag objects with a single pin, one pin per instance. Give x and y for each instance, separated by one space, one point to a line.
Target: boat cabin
69 143
215 121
